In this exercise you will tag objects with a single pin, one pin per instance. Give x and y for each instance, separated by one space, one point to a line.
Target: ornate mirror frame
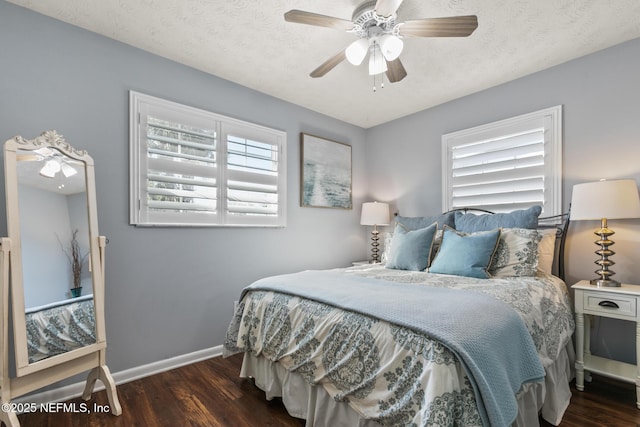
36 374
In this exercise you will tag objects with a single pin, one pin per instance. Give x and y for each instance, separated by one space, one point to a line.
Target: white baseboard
72 391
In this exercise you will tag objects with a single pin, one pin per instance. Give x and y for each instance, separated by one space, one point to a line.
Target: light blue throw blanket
489 337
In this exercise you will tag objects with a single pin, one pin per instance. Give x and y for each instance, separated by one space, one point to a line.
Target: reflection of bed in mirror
61 326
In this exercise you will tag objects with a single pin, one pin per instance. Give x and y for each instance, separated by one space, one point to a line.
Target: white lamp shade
50 168
357 51
391 46
68 170
377 64
374 213
615 199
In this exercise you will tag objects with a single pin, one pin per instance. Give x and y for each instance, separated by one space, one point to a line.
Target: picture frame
325 177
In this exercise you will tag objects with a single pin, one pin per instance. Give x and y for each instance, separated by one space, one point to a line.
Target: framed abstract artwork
325 173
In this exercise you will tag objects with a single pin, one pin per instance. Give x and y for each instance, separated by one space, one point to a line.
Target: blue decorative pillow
417 222
465 254
411 249
525 218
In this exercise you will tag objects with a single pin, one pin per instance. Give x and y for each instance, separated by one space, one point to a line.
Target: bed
59 327
428 337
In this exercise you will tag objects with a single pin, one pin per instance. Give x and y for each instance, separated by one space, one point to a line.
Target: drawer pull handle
609 304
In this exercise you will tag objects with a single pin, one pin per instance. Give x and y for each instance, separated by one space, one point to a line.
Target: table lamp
375 213
604 200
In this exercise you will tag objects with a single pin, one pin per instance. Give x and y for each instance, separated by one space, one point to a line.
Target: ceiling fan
54 162
380 36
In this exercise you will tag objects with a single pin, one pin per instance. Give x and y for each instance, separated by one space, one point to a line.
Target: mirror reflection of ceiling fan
54 162
380 36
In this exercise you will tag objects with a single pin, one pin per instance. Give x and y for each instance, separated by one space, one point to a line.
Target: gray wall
169 291
600 95
46 269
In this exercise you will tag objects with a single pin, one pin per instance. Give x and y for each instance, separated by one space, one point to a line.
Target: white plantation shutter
253 182
181 172
511 164
192 167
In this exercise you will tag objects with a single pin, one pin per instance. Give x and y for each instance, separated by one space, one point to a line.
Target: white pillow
546 251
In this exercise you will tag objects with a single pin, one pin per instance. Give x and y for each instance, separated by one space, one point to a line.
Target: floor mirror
52 272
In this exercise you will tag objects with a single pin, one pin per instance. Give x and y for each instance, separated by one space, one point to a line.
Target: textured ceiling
249 42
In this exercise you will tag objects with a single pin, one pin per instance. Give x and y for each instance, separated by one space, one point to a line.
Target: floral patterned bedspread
56 330
383 371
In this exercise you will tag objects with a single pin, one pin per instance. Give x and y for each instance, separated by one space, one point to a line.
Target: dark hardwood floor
209 393
603 403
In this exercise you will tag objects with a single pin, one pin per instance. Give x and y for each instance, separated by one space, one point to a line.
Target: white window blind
192 167
252 184
506 165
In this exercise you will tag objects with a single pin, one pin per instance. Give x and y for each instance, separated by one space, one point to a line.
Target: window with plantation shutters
253 180
506 165
193 167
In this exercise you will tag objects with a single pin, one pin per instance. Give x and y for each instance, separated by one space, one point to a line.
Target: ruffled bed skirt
312 403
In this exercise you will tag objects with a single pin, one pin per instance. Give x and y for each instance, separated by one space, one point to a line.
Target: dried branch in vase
75 258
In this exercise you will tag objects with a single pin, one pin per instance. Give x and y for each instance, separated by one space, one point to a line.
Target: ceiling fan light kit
67 170
53 166
374 22
50 169
391 46
377 63
357 51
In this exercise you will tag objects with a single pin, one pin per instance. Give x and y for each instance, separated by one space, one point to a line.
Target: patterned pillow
437 241
517 254
386 247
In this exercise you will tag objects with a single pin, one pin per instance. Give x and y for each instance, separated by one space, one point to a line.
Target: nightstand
616 303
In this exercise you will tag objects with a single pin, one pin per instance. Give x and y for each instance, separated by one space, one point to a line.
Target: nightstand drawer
602 302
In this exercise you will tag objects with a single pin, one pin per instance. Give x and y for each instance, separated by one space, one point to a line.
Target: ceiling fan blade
387 8
29 157
328 65
309 18
395 71
454 26
45 151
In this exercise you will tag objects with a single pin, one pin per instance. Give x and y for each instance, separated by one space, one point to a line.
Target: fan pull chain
381 82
